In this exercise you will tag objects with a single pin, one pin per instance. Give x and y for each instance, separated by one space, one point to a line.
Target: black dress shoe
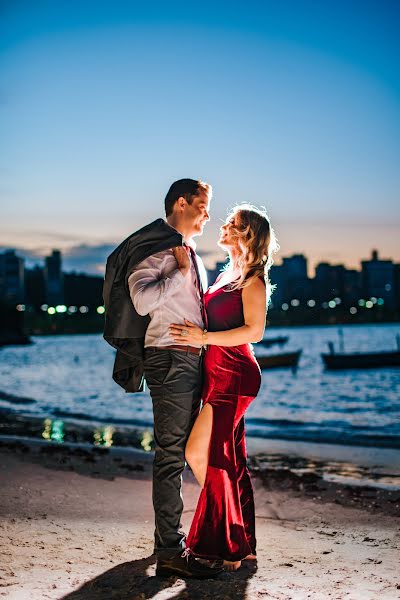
185 565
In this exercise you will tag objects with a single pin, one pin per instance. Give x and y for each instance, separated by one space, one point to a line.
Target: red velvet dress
223 526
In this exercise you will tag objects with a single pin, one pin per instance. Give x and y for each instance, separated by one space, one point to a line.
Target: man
164 293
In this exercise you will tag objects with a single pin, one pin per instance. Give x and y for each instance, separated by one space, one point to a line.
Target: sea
68 377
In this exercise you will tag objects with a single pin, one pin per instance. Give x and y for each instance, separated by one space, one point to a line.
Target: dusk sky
292 105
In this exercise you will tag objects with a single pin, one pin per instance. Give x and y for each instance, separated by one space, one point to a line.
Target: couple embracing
192 345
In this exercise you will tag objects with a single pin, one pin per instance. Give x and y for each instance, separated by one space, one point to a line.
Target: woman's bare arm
254 312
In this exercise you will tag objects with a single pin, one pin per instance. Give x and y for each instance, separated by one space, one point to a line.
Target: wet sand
77 523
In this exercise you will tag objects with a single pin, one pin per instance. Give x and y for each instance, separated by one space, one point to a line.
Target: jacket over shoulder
124 328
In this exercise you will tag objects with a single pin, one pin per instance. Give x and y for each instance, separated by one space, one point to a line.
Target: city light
353 310
20 307
369 304
61 308
295 302
338 300
101 310
83 309
44 307
311 303
285 306
331 303
51 310
361 302
72 309
380 301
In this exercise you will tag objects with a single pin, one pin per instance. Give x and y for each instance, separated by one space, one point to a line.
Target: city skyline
49 288
73 264
103 106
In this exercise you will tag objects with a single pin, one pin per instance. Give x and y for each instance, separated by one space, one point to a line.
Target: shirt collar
191 243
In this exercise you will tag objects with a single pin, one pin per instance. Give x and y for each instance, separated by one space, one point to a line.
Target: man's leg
174 380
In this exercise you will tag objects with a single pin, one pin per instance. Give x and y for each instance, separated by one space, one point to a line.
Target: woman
224 523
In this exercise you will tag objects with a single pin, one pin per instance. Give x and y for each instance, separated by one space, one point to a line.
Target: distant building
291 280
54 279
397 284
277 276
378 279
352 287
12 281
329 282
81 289
295 267
212 274
35 294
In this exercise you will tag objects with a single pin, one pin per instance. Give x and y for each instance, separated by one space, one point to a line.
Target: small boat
368 360
280 341
360 360
14 339
275 361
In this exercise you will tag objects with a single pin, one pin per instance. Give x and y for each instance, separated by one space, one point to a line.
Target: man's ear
181 202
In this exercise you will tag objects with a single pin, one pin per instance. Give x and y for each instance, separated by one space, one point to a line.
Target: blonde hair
257 244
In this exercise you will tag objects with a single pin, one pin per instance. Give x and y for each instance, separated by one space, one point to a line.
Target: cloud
82 258
88 259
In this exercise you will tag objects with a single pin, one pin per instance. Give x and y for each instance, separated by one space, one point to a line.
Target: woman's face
227 238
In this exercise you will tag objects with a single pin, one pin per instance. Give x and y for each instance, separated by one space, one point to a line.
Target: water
70 377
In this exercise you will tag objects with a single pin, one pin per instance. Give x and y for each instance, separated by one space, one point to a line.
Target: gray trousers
174 380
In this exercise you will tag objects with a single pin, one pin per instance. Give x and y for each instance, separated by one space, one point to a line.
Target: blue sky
291 105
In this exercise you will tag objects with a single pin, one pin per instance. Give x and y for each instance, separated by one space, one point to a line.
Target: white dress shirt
158 288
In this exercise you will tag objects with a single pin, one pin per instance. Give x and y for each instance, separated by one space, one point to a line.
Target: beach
75 479
77 523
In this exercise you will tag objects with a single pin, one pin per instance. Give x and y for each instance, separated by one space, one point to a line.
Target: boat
280 341
14 339
12 327
275 361
360 360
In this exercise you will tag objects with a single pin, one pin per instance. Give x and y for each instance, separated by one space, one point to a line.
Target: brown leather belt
191 349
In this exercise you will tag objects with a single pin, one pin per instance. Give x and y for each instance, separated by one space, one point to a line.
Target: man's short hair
185 188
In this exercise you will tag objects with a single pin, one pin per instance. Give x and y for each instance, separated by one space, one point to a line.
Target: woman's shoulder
262 279
256 286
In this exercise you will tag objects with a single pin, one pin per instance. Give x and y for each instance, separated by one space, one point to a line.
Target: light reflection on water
351 407
103 436
331 470
53 430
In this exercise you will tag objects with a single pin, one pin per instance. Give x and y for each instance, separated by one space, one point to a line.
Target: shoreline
275 472
367 466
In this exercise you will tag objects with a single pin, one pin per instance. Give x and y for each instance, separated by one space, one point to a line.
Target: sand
75 529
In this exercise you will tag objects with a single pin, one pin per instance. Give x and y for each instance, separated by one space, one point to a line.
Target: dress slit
219 530
223 526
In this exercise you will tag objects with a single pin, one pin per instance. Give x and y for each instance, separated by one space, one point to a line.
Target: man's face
196 214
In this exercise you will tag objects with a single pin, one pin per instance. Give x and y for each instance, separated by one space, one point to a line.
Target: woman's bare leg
198 444
197 456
